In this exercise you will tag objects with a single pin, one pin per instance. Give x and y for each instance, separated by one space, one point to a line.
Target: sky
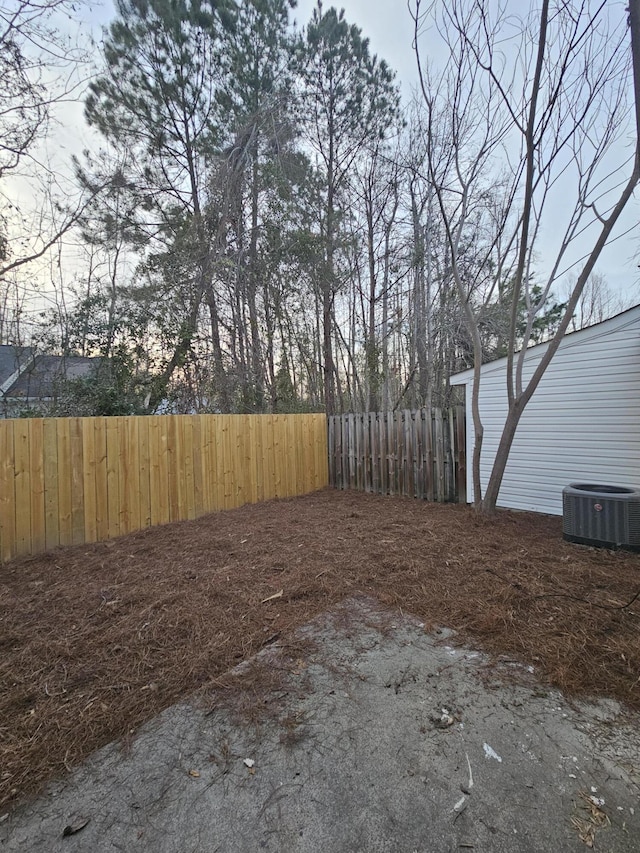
389 27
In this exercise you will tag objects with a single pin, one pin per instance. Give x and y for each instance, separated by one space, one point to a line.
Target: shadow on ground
379 737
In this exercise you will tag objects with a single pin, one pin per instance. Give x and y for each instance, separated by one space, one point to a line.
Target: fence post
461 453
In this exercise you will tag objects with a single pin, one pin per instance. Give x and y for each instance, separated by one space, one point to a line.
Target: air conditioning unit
604 516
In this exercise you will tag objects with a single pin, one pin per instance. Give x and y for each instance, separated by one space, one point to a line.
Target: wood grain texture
66 481
417 453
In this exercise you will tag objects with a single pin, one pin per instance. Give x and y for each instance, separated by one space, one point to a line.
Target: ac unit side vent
634 524
603 516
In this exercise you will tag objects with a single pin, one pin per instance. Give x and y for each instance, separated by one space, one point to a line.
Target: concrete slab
388 739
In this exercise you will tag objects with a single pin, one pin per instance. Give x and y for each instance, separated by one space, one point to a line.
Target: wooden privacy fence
416 453
65 481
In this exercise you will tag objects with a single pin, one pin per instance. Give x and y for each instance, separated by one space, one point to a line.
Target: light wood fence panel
416 453
66 481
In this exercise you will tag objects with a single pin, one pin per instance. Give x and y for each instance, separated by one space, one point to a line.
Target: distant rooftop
25 375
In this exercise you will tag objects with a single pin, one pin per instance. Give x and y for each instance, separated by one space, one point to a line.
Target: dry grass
96 639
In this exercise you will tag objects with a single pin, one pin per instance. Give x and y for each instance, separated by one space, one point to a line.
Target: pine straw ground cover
96 639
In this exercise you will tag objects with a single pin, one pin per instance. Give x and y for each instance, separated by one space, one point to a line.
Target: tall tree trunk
257 368
420 320
371 343
328 292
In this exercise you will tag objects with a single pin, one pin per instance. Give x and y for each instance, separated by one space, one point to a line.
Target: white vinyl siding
581 425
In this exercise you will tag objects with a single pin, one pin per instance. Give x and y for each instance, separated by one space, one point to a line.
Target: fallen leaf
278 594
72 829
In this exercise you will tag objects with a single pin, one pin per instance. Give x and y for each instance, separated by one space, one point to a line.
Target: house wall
581 425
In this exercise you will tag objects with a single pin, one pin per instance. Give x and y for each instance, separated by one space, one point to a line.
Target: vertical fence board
244 466
289 456
196 456
7 493
113 476
260 448
308 449
349 470
269 457
102 491
273 449
299 452
174 469
359 453
451 462
375 452
250 464
77 481
391 453
64 482
402 452
321 469
232 452
208 463
345 472
51 508
427 432
419 453
188 499
130 475
439 455
303 456
331 447
340 449
159 470
22 484
461 451
366 451
409 432
280 477
218 481
337 431
144 476
235 461
36 464
228 451
89 469
382 454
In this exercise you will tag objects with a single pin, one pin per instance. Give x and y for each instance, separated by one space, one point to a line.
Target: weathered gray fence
416 453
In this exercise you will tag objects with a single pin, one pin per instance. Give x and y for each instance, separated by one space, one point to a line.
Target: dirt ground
96 639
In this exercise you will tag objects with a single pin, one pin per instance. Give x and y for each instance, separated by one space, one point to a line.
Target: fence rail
67 481
416 453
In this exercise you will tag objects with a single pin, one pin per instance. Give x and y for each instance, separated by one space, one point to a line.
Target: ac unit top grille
602 489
